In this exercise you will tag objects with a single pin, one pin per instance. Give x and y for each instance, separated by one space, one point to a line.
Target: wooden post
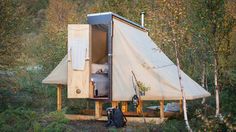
59 99
162 109
91 89
124 106
114 104
98 109
139 108
180 106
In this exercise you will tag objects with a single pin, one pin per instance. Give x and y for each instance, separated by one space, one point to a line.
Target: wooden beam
81 117
140 107
134 113
162 109
98 109
59 98
91 89
104 118
180 106
114 104
124 106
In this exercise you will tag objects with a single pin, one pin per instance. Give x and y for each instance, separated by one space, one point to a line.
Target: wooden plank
139 109
180 106
114 104
124 106
78 80
135 114
91 89
59 98
92 112
146 114
162 109
98 109
79 117
155 120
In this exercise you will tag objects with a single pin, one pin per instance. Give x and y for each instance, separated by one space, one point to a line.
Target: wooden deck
150 117
134 114
155 120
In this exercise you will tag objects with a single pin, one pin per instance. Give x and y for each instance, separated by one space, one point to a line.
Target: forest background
33 40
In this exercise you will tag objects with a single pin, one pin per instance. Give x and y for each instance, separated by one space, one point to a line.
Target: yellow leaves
142 86
59 14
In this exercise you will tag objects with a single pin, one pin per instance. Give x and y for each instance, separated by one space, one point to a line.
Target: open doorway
99 62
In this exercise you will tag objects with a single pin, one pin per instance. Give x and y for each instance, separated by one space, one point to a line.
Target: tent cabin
105 57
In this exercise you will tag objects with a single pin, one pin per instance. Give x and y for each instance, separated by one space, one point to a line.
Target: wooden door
78 60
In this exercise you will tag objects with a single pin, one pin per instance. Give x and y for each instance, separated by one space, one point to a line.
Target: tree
172 18
213 26
51 42
12 17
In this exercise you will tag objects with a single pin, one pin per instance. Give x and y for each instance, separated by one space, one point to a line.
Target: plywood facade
79 80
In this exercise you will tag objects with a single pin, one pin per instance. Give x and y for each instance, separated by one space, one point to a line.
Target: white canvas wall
59 74
133 50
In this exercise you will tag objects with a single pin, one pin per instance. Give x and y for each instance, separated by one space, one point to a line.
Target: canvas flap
134 50
59 74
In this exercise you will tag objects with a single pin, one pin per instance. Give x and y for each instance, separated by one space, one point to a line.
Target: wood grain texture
114 104
155 120
124 106
59 98
98 109
162 109
78 80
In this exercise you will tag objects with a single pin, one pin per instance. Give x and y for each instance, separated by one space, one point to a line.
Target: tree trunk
216 85
182 89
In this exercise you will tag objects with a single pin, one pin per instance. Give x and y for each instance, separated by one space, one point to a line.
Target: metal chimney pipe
142 18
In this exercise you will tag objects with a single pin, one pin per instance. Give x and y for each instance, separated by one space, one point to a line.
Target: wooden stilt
98 109
124 106
139 108
114 104
59 98
162 109
91 89
180 106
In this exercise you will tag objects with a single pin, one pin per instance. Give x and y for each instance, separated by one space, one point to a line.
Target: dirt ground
99 126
